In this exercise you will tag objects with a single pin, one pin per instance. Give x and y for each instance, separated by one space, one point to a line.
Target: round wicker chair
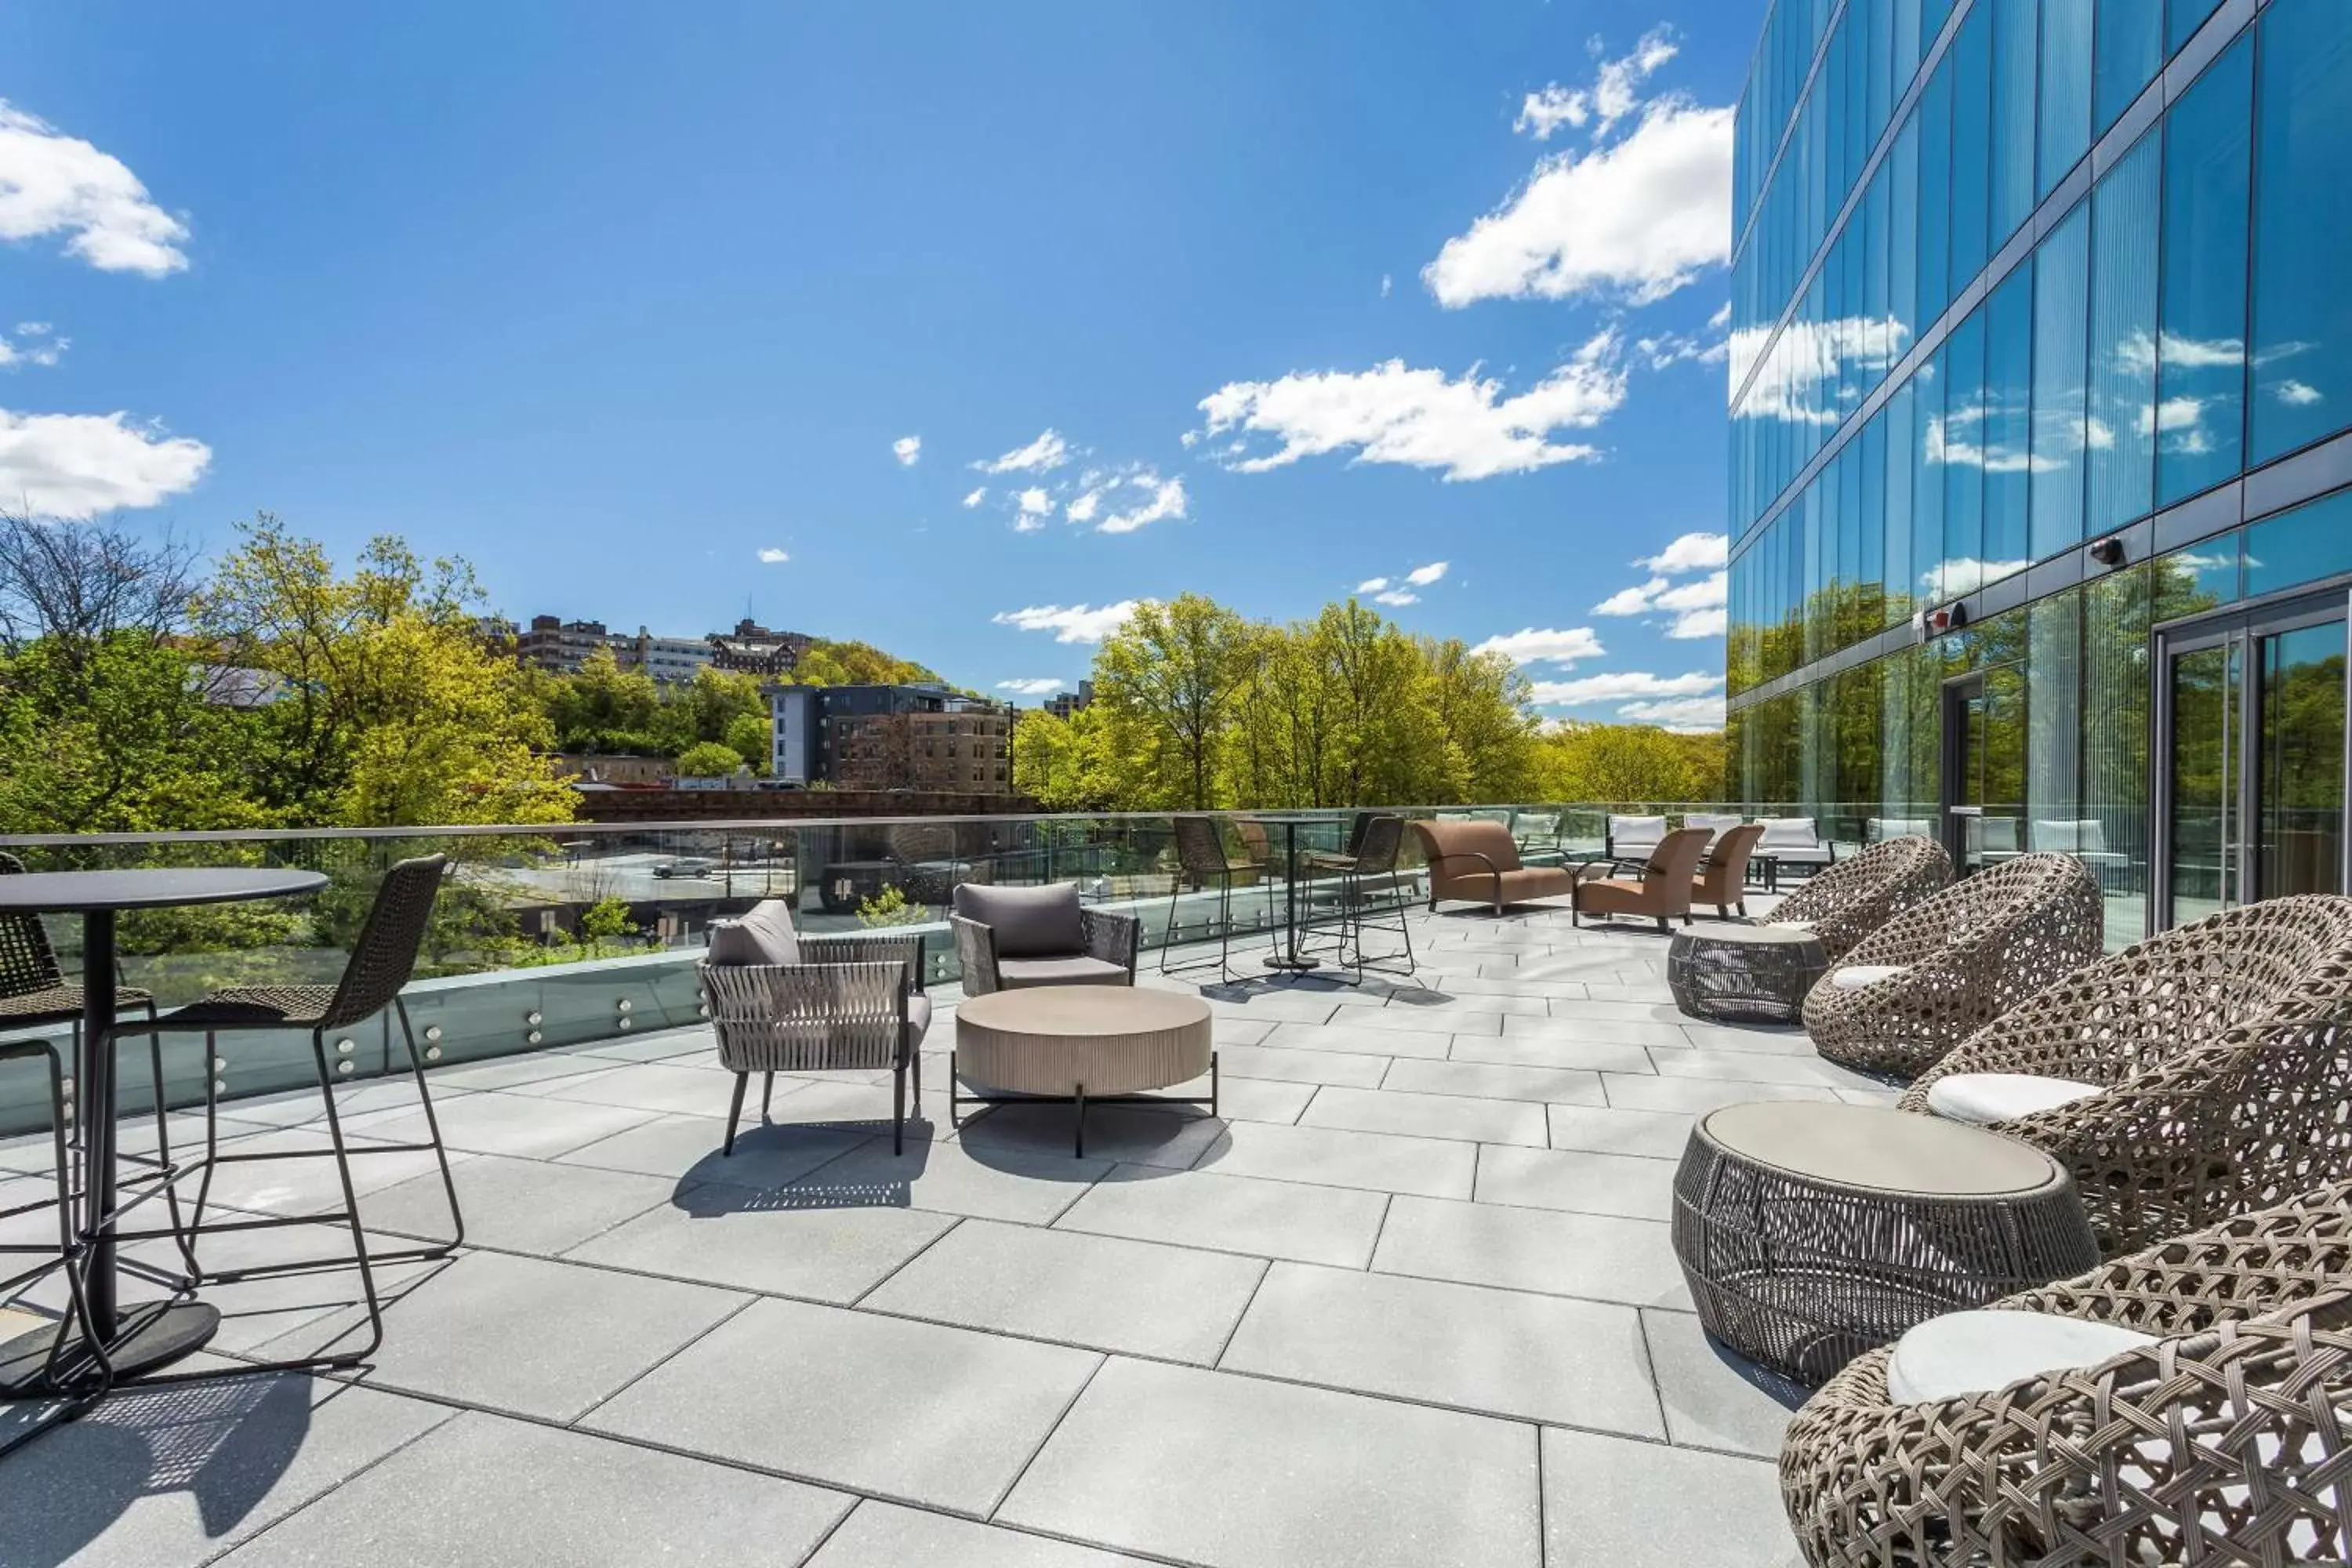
2220 1051
1845 902
2223 1442
1959 961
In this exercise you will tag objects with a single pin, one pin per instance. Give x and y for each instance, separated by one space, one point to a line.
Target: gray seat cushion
764 935
1029 923
1075 969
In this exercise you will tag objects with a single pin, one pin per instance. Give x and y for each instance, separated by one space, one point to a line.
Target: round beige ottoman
1082 1043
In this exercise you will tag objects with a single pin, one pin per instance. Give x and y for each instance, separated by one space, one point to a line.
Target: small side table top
1726 932
1870 1148
1063 1012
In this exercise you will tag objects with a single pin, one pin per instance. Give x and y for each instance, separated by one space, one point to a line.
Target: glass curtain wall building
2042 376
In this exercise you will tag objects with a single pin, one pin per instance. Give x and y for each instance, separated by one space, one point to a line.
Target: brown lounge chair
1476 860
1663 888
1723 881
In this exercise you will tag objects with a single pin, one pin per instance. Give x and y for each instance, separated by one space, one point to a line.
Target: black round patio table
1285 953
152 1336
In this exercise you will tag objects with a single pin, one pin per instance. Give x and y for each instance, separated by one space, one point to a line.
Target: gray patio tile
1599 1258
1353 1039
1429 1116
1619 1011
838 1103
484 1490
652 1047
1242 1473
768 1241
527 1126
1172 1304
1474 985
304 1108
884 1535
1597 1031
686 1149
1756 1067
1642 988
950 1176
168 1477
1131 1135
1444 1000
1696 1097
1400 1017
1657 1134
1732 1038
293 1314
1587 966
1232 1213
1869 1095
1526 1050
1715 1399
1276 1005
913 1412
1230 1031
1289 1066
1610 1503
1576 1180
1339 1157
1249 1098
512 1071
519 1206
1504 1353
657 1086
312 1186
1488 1080
535 1337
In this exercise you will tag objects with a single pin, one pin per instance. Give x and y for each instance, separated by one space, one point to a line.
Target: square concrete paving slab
1756 1067
1728 1037
1351 1039
536 1337
527 1126
1597 1257
1130 1134
519 1206
884 1535
1529 1051
659 1086
1284 1066
1230 1031
1443 999
510 1072
1595 1031
770 1241
1249 1098
1169 1302
1592 1010
484 1490
950 1176
1232 1213
311 1185
1429 1116
1576 1180
1696 1097
686 1149
913 1412
1337 1157
1504 1353
1490 1080
1609 1502
170 1477
305 1108
1263 1007
1656 1135
661 1046
1401 1018
1236 1472
1714 1399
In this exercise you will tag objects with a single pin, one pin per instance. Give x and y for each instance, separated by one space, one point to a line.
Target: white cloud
1619 686
1683 713
1641 217
36 345
54 184
1399 597
1670 349
2289 391
1809 359
907 450
1546 111
1616 91
1043 455
1423 576
1073 623
1387 284
1695 608
1529 646
1691 552
1044 686
1033 504
1421 419
978 494
773 556
1084 509
1633 601
1693 624
76 465
1372 585
1722 317
1166 500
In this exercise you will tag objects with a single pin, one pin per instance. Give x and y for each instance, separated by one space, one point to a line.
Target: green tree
1057 762
1166 683
708 759
752 737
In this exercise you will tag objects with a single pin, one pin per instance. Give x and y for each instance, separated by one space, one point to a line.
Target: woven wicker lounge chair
2218 1438
1937 973
2198 1075
1845 902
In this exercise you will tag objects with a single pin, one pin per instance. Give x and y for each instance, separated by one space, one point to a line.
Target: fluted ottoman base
1083 1043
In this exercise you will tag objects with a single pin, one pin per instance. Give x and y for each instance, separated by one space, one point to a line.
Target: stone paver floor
1411 1301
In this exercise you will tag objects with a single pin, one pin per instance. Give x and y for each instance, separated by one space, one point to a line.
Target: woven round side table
1742 972
1810 1233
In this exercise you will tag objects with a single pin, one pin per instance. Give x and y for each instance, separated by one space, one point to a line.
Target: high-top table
151 1336
1287 955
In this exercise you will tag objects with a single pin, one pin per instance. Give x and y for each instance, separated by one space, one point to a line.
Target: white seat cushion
1985 1097
1962 1354
1795 925
1854 976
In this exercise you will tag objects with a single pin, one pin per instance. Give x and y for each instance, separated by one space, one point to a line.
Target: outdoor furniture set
1342 892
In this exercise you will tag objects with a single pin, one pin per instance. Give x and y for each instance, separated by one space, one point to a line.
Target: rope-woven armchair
1842 903
1906 994
2220 1054
2225 1441
1010 937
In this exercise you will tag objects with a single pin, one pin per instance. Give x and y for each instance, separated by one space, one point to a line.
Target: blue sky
1260 302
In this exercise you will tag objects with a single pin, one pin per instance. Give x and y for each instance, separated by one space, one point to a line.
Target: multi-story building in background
2042 375
752 649
562 647
921 737
1064 704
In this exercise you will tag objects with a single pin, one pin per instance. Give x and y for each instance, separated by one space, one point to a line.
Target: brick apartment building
918 738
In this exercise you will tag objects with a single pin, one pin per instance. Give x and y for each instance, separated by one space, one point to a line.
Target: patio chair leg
351 1210
431 1130
734 1113
899 1111
1078 1146
767 1093
915 1057
1662 922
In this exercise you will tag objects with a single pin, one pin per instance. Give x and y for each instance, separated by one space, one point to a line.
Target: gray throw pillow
764 935
1029 923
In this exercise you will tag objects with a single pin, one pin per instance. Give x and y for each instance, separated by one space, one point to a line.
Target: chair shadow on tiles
831 1165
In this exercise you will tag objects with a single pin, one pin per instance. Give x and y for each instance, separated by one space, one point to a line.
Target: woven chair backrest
27 962
386 954
1198 850
1375 853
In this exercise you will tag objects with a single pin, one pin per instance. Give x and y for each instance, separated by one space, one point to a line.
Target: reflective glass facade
2009 278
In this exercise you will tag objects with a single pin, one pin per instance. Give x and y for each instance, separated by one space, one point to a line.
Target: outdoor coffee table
1083 1043
1744 972
1810 1233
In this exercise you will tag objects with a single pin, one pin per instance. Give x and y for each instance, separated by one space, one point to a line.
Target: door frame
1952 818
2245 623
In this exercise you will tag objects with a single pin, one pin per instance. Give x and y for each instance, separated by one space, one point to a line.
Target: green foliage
1058 762
1630 762
752 737
707 759
605 920
828 663
889 908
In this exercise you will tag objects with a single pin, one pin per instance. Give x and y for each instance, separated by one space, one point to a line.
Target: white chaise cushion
1794 925
1962 1354
1983 1099
1854 976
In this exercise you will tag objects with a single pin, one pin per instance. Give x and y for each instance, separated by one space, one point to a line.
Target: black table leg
1286 955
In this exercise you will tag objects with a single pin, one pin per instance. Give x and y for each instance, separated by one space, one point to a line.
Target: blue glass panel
2065 128
1870 500
2016 27
1971 61
2127 46
1927 479
1878 65
2201 303
1935 195
2300 546
2204 575
1907 43
1903 234
1901 460
2303 228
2007 425
2187 15
1962 455
1848 469
2061 287
2121 429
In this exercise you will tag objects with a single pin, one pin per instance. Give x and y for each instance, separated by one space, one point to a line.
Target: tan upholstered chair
1662 891
1476 860
1723 881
